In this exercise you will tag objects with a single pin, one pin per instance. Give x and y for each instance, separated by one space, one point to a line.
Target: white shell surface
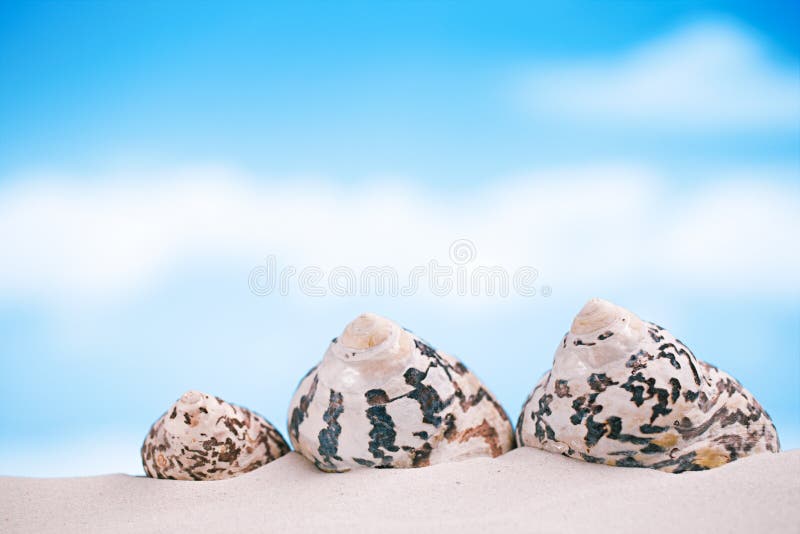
626 392
202 437
382 397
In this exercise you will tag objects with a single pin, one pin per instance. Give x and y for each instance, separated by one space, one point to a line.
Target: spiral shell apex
381 397
202 437
626 392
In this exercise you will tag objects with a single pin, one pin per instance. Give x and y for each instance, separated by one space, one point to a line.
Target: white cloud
708 75
585 229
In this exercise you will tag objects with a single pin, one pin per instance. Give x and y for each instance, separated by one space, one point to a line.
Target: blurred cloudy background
152 155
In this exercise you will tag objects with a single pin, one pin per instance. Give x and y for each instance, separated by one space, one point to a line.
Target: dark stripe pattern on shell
626 392
202 437
384 398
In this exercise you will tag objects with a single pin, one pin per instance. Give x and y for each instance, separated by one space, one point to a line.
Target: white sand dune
527 490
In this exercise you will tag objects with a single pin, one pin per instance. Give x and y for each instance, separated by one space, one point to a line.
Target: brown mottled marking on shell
641 400
209 439
487 432
404 404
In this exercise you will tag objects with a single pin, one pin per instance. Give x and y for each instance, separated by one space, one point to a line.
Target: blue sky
303 89
152 155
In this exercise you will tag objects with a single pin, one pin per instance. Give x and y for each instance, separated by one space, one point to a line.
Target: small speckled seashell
626 392
382 397
202 437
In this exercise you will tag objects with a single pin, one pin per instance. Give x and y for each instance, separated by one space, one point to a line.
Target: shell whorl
598 314
600 334
194 407
367 337
370 350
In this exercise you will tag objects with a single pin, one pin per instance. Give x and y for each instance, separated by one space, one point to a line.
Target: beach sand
528 490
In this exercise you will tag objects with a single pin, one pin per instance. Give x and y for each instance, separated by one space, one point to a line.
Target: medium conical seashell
626 392
202 437
382 397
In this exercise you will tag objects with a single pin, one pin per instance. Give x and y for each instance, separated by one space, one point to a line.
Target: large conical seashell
382 397
626 392
202 437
